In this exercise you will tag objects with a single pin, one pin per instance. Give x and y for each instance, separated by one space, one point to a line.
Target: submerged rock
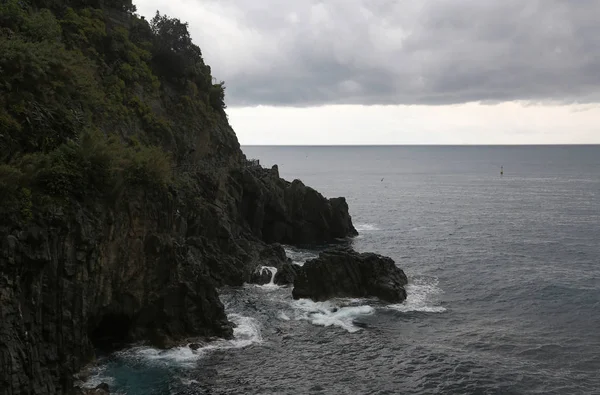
346 273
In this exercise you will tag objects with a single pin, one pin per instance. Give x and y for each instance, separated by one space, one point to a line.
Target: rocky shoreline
129 202
147 270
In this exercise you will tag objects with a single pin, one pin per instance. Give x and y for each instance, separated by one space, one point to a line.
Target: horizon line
426 145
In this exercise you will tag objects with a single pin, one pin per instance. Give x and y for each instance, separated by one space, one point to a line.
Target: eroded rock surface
346 273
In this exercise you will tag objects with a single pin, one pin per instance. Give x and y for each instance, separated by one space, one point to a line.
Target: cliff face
279 211
144 270
126 200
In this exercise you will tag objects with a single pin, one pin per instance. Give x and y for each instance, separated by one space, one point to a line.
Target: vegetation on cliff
94 99
103 241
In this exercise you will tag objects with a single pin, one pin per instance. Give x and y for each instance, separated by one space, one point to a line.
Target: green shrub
72 91
217 96
43 26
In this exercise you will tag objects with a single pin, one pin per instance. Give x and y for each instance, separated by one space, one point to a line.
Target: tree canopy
79 91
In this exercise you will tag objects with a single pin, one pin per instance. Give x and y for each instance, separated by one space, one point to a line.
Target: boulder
284 273
287 273
279 211
343 272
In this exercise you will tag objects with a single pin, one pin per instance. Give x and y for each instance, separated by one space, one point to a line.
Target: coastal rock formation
287 273
100 277
279 211
126 199
282 273
347 273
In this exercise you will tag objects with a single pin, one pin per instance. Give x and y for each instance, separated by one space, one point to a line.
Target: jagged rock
279 211
102 276
102 388
100 271
287 273
195 346
346 273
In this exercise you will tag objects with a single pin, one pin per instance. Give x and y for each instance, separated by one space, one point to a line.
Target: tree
175 56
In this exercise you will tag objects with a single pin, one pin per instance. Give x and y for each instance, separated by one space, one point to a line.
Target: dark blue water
504 295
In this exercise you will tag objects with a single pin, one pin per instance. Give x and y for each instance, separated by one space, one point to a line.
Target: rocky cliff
146 269
126 200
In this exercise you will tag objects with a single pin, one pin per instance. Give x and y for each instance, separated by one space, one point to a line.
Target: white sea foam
330 314
366 227
283 316
421 295
299 256
98 376
271 284
246 332
186 381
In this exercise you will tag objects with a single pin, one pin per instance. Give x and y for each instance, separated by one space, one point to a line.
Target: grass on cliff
89 106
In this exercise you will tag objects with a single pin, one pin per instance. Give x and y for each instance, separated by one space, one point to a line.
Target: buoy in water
501 170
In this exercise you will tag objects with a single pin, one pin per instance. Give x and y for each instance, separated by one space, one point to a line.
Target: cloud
315 52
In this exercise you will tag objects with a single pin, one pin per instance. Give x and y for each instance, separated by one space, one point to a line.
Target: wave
283 316
420 297
246 332
366 227
330 314
299 256
271 284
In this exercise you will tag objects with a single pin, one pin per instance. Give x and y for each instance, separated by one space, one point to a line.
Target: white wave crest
246 332
366 227
329 314
420 297
271 284
283 316
299 256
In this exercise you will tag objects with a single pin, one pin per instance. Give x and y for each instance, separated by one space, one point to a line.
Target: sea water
504 293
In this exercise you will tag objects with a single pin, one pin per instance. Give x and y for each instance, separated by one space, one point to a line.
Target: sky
313 72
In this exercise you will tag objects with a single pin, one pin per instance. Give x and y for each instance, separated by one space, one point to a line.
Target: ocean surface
504 294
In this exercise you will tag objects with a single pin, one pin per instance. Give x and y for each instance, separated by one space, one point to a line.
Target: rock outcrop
287 273
281 273
98 263
97 276
346 273
279 211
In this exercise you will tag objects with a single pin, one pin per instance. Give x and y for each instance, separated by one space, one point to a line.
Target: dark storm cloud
407 52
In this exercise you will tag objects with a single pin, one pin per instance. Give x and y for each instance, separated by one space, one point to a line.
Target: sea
503 294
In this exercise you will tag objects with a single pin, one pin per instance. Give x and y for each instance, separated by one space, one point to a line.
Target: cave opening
111 332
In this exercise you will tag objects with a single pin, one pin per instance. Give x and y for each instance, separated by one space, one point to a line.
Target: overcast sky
402 71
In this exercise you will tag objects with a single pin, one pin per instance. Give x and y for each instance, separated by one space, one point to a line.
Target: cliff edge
126 199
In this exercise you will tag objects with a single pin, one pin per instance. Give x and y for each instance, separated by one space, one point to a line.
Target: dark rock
97 271
146 268
346 273
278 211
287 273
195 346
103 387
262 275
